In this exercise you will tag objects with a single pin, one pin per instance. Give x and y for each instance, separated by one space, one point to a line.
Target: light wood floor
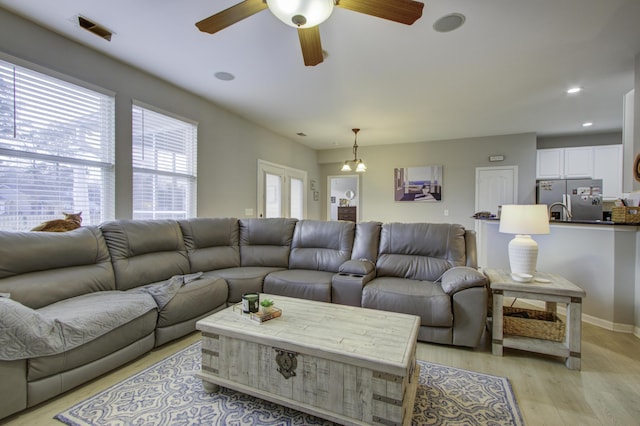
605 392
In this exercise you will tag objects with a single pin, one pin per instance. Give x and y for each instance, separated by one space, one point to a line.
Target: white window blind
56 150
164 165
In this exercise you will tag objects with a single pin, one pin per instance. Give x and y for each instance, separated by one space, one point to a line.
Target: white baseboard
599 322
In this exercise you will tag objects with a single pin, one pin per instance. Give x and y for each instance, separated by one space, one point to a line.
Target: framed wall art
418 184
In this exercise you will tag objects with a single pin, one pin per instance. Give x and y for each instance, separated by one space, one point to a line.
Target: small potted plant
267 305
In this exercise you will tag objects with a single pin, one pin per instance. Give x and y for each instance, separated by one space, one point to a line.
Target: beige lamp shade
527 219
523 220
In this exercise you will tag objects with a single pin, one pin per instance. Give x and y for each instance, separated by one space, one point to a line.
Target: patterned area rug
169 393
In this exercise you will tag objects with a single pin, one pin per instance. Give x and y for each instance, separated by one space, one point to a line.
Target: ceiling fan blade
311 46
227 17
403 11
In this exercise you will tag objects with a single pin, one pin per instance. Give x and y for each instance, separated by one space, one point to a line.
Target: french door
281 191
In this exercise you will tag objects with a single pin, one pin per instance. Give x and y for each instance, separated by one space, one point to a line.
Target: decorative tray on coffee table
259 316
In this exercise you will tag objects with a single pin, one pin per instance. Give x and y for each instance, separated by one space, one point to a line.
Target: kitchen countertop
575 222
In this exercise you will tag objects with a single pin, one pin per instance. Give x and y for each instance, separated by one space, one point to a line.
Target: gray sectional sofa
75 305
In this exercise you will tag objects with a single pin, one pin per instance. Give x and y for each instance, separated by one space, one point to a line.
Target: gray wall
459 159
228 146
609 138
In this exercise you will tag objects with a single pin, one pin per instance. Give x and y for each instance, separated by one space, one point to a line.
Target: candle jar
250 302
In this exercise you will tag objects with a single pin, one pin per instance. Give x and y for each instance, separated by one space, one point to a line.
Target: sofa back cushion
266 242
420 251
145 251
321 246
41 268
211 243
367 241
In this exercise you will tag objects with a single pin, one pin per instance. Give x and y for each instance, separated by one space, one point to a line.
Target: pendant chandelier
356 162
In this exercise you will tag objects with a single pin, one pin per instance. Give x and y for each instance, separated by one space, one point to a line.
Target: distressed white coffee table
350 365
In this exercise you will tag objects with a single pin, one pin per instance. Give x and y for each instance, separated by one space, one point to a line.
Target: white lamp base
523 254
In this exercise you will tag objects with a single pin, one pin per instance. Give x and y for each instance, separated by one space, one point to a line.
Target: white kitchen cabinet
607 165
550 163
578 162
565 163
597 162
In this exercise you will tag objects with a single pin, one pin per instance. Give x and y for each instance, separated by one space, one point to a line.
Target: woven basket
540 324
625 214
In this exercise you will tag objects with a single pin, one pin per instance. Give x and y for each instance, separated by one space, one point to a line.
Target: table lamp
524 220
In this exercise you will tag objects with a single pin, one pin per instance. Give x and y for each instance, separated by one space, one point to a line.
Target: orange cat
70 222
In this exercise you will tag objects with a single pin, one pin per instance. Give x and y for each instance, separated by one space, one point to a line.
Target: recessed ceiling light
574 90
587 124
224 76
450 22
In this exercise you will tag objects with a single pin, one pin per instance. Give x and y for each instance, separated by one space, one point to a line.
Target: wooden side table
557 290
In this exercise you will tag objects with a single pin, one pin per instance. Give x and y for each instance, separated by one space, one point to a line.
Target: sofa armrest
460 278
357 267
347 285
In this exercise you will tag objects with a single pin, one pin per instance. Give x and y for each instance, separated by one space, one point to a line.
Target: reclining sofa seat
429 270
318 249
242 252
56 274
151 252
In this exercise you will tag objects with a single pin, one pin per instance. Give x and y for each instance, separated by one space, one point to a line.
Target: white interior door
495 186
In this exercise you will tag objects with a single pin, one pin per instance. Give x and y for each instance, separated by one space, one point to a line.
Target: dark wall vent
98 30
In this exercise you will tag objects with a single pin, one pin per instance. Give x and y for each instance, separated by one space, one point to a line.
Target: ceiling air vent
98 30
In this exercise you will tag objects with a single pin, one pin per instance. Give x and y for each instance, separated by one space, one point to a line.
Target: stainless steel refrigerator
582 197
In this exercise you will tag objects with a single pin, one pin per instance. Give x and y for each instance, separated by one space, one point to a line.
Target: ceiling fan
306 15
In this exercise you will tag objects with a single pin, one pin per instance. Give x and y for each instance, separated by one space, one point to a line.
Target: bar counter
600 257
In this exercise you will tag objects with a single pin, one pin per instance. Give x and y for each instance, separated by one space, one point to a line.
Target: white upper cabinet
550 163
578 162
565 163
607 165
597 162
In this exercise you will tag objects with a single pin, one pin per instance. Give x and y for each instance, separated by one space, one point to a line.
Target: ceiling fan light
301 13
361 167
345 167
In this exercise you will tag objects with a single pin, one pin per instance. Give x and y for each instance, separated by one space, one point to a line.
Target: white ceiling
504 71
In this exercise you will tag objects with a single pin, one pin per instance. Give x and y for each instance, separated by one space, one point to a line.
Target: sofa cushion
67 324
303 284
244 279
145 251
422 298
366 242
266 241
44 366
193 300
211 243
420 251
320 245
41 268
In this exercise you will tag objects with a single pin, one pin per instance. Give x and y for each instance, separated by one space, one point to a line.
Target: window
56 149
164 165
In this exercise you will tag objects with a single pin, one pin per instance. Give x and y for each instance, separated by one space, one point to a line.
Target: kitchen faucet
564 206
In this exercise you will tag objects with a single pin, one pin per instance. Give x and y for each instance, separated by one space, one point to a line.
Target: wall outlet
446 212
248 212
